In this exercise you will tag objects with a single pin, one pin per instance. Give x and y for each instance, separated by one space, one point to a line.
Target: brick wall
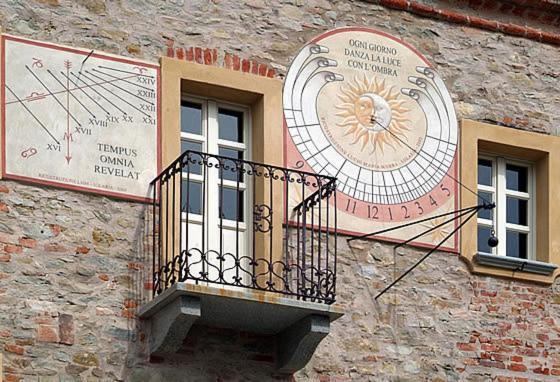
73 265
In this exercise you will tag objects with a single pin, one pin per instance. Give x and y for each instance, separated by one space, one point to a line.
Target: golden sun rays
373 113
439 233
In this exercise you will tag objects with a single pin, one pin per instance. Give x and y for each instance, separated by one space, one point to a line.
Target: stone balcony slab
297 326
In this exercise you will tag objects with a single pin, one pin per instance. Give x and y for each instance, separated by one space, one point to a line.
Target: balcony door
214 190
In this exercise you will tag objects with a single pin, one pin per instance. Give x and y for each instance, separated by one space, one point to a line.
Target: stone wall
441 323
70 281
73 265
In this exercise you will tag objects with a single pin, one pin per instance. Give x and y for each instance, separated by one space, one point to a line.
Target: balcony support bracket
171 324
293 328
296 344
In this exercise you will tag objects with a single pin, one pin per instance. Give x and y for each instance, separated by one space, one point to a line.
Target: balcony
244 246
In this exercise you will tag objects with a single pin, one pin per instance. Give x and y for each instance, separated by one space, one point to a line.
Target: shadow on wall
206 354
139 270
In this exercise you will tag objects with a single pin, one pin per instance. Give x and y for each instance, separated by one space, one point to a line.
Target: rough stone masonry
73 266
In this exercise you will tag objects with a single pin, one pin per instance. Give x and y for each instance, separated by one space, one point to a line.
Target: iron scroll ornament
262 218
306 270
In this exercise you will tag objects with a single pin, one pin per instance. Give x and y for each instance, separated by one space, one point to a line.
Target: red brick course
135 266
5 333
54 247
27 242
13 348
209 56
10 248
82 250
130 303
517 367
66 329
521 9
47 333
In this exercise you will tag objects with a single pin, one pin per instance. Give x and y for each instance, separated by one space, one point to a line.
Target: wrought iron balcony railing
220 220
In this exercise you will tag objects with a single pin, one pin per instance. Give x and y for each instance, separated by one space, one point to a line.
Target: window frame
211 144
500 193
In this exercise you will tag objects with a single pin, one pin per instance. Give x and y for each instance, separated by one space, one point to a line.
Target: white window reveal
510 184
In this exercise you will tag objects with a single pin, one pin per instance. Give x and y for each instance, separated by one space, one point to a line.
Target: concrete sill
297 326
515 264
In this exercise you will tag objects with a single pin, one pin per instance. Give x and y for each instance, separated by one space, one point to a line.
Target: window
219 129
509 184
214 198
518 170
244 123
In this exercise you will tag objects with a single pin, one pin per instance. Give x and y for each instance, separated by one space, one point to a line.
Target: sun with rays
372 113
438 233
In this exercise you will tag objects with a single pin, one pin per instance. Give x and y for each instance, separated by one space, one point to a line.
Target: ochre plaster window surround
510 184
222 93
261 95
541 154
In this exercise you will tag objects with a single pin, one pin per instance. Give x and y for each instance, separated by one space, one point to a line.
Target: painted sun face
372 113
376 117
363 110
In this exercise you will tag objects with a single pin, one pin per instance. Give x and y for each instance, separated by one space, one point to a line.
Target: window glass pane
516 178
193 168
516 211
516 244
190 145
483 235
230 125
489 197
191 197
191 118
232 204
485 172
232 173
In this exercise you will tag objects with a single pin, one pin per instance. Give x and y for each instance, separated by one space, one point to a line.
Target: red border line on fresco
5 175
3 101
83 52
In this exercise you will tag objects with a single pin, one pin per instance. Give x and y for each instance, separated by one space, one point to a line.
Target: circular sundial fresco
369 109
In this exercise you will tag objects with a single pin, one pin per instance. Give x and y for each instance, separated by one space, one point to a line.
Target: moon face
373 112
364 109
